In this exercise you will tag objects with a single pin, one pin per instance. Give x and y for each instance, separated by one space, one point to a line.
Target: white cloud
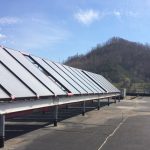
117 13
9 20
87 17
36 33
121 14
132 14
2 36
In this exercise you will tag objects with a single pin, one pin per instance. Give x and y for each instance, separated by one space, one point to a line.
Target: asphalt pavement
123 125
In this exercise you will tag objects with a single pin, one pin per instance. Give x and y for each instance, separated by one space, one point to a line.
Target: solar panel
106 82
74 78
31 82
102 82
47 82
90 75
82 79
25 76
59 77
91 82
12 84
110 84
59 69
84 84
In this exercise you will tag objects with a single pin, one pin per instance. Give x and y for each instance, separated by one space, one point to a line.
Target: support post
108 102
2 130
55 115
67 106
99 104
43 112
115 99
83 108
119 98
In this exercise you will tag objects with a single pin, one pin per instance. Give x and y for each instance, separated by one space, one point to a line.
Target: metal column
2 130
115 99
83 108
55 115
108 102
99 104
67 106
119 98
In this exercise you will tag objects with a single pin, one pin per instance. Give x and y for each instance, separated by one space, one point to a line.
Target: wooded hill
119 60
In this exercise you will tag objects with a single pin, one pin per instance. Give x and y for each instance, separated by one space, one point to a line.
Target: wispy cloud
116 13
87 16
35 33
121 14
2 36
132 14
9 20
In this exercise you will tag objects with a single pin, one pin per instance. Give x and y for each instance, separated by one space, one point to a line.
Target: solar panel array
24 76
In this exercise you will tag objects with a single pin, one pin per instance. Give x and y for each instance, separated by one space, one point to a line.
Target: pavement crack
110 135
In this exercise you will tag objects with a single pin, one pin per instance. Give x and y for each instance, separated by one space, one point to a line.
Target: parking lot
122 125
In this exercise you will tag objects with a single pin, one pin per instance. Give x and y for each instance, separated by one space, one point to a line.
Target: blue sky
56 29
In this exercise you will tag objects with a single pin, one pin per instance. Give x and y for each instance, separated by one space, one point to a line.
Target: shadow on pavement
21 125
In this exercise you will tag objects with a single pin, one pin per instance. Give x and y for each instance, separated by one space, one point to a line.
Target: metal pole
55 115
108 101
119 98
2 130
99 104
115 99
83 108
66 106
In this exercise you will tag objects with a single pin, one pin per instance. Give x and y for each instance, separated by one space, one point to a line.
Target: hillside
119 60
